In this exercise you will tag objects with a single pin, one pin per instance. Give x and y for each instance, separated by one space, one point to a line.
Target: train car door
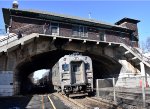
76 72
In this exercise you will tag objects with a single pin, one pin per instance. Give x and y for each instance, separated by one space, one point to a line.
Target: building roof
127 20
7 12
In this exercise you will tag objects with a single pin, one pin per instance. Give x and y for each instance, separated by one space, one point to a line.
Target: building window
75 31
85 32
102 36
79 31
55 29
122 35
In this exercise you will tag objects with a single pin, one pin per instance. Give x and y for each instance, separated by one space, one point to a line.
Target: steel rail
52 103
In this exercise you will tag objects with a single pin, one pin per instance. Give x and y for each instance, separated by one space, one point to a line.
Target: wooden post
143 91
97 88
114 90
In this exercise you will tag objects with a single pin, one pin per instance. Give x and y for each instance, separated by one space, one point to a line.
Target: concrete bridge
39 51
35 51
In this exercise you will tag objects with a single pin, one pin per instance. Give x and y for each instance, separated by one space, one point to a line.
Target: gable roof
127 20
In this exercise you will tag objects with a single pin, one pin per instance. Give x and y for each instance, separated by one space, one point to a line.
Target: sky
38 74
107 11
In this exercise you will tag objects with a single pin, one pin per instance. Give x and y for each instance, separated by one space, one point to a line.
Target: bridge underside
103 66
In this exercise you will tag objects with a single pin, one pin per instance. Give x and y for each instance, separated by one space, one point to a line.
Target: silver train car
46 78
73 74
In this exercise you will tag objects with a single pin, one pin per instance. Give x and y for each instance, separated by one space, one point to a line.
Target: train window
65 67
87 66
75 67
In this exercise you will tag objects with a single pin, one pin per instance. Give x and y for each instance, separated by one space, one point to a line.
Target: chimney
15 4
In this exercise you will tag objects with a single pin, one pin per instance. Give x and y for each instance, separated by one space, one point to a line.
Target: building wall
131 26
27 26
6 83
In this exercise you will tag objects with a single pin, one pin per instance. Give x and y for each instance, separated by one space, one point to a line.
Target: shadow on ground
14 102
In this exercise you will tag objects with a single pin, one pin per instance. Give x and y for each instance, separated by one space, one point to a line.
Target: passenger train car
46 78
73 74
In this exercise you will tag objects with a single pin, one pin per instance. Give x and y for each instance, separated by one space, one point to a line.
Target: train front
77 74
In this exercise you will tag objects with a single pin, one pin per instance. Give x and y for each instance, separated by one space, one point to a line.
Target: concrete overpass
38 39
39 51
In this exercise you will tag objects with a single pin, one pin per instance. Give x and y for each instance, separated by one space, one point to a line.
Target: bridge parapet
35 44
10 38
12 41
131 54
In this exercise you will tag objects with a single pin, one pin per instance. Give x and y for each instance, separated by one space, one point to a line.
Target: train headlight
76 58
80 87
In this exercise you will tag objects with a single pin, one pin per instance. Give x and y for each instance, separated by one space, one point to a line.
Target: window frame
57 26
80 33
87 66
104 36
63 67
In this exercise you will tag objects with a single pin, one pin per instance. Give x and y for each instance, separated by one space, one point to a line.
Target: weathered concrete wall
106 57
128 70
129 75
3 62
6 83
129 82
11 61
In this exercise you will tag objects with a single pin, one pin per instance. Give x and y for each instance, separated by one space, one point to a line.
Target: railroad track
41 102
47 101
91 103
88 102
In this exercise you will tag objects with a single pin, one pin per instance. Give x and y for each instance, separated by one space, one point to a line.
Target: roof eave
7 12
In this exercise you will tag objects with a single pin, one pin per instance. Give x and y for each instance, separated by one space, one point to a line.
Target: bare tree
145 46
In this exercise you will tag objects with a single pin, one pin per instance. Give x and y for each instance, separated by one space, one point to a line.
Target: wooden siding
112 36
131 26
27 26
65 30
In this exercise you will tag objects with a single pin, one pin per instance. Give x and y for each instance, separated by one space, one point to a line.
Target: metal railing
140 55
8 39
13 37
134 50
122 90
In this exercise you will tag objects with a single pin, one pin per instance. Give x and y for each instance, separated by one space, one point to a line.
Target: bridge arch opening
103 67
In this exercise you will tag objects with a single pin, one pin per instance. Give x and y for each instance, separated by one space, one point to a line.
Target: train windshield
87 66
65 67
76 67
